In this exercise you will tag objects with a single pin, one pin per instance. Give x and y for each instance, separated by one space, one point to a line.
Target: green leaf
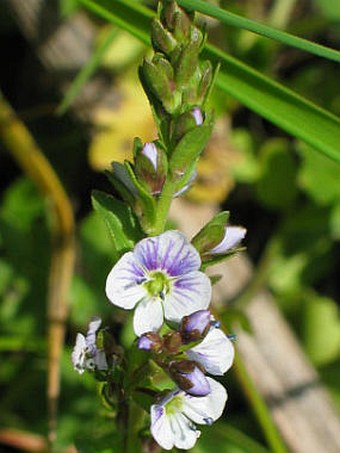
278 104
319 177
121 222
190 147
271 100
276 186
234 20
321 329
212 233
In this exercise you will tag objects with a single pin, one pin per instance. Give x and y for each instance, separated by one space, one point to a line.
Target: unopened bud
195 326
206 79
151 166
233 235
176 20
150 341
187 61
189 377
155 78
187 122
172 342
162 39
198 116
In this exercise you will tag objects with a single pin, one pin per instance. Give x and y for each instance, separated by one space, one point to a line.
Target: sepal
142 202
211 234
151 166
188 149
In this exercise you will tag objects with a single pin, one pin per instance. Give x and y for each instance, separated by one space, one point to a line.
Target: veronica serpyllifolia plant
158 274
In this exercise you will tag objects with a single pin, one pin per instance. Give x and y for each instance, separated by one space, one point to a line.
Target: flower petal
92 330
215 352
78 354
233 235
170 251
148 316
206 409
188 293
123 284
160 427
184 431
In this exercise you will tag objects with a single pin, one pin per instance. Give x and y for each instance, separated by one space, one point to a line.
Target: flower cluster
161 275
162 280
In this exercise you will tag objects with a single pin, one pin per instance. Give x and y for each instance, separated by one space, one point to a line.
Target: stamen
215 323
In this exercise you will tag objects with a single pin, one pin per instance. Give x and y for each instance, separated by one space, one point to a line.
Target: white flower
161 278
173 419
233 235
215 352
85 353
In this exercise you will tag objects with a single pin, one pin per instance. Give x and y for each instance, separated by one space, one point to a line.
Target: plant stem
163 207
135 416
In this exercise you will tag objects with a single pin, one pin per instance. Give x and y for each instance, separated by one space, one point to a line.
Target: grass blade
283 37
271 100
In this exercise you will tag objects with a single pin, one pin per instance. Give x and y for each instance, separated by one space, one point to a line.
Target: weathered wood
272 355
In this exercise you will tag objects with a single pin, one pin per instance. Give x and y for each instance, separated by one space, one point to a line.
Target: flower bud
198 116
151 166
233 235
162 39
172 342
195 326
187 60
189 377
155 78
187 122
150 341
176 20
206 78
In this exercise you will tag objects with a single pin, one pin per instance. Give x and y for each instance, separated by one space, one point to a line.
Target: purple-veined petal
170 251
197 321
123 284
148 315
78 354
215 352
206 409
200 384
184 431
170 428
92 330
188 293
160 427
233 235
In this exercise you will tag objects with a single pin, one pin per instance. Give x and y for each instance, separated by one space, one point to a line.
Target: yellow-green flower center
175 405
158 284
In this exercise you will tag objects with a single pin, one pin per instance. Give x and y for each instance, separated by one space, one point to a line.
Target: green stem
259 407
163 207
135 416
